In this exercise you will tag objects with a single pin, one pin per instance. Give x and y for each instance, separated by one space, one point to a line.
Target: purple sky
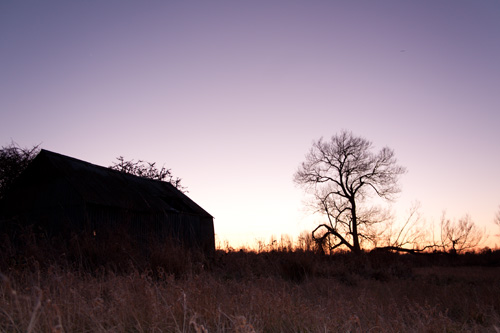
231 94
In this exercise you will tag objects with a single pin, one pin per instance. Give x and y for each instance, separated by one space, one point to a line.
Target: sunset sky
231 94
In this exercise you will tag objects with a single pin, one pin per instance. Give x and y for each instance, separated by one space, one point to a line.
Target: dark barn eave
53 180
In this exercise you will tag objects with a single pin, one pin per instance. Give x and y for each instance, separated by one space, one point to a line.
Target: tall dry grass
245 291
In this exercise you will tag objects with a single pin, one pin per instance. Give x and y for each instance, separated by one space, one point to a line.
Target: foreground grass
255 292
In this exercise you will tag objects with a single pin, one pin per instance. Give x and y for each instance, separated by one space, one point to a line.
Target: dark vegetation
81 285
13 160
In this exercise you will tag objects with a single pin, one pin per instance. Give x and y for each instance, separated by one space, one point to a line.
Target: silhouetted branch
497 218
422 250
147 170
458 236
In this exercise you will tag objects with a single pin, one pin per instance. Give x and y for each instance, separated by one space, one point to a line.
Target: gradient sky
231 94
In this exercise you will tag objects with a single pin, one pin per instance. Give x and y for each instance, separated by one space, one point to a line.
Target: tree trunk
355 239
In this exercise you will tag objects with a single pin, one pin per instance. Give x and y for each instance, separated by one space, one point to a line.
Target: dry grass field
246 291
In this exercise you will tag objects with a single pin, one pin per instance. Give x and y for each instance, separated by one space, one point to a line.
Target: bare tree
410 236
13 160
342 174
497 218
147 170
458 236
305 241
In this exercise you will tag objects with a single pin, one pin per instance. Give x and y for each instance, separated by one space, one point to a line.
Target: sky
231 94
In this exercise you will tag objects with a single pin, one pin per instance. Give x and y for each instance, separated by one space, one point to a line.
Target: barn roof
107 187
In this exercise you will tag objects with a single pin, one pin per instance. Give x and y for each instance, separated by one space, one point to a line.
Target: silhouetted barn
65 195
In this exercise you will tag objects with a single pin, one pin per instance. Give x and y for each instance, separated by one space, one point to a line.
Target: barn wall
44 199
53 221
188 229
